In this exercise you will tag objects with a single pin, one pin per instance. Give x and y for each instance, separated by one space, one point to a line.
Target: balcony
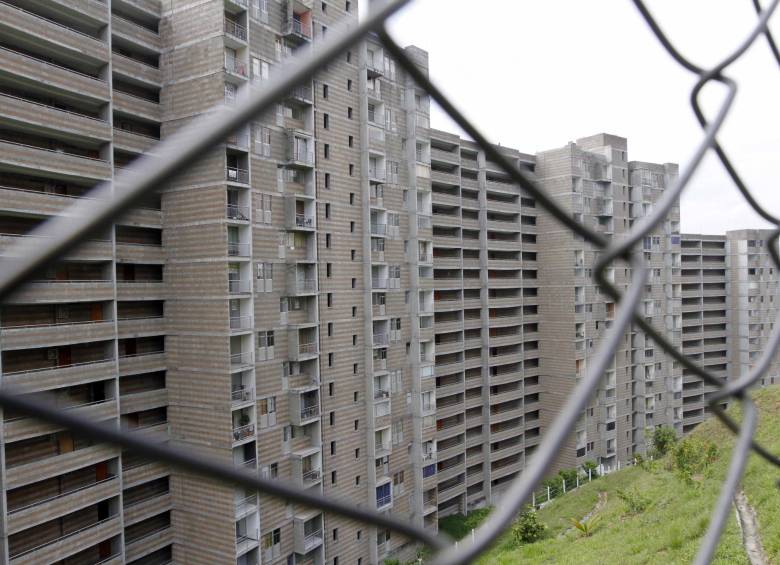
43 116
142 363
381 340
376 175
137 106
235 30
135 33
302 287
24 337
40 72
236 175
240 323
237 249
236 68
27 473
378 283
238 360
241 433
47 378
69 544
18 429
242 395
378 229
237 213
239 286
300 155
307 532
304 222
35 159
52 507
297 30
148 542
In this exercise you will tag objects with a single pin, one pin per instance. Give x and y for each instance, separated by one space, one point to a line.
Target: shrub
568 475
527 528
391 562
586 527
591 466
458 526
663 440
693 457
635 502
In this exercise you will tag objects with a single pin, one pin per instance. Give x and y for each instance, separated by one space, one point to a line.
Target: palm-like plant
586 527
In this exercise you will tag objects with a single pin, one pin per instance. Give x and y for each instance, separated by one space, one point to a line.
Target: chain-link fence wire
185 147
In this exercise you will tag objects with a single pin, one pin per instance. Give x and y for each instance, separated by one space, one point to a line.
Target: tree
591 466
664 438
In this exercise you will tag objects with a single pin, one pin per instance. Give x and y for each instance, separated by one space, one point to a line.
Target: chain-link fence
187 146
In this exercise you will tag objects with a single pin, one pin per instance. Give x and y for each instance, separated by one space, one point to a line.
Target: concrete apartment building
729 301
337 296
486 323
594 180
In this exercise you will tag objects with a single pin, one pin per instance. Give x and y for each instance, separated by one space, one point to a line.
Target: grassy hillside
671 526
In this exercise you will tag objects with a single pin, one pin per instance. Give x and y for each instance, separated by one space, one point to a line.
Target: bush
591 466
663 440
635 502
527 528
458 526
693 457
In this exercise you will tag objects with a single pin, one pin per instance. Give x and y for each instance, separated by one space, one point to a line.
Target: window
333 448
335 534
328 269
351 169
325 121
324 90
327 241
265 209
262 140
266 412
329 298
354 368
332 418
265 277
327 211
348 6
326 150
352 254
272 544
357 424
354 311
330 359
333 477
349 80
260 70
351 227
352 198
349 112
330 329
327 180
351 141
265 345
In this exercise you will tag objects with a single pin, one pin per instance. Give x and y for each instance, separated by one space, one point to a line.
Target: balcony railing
243 432
235 67
378 283
236 212
306 285
304 221
242 394
383 501
381 339
296 27
238 286
234 174
378 229
301 93
235 29
66 536
307 348
236 249
380 393
240 322
376 174
244 358
302 155
310 412
311 476
246 503
423 222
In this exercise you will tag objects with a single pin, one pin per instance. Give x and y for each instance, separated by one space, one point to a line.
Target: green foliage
663 440
635 502
458 526
693 457
391 562
586 527
591 466
527 528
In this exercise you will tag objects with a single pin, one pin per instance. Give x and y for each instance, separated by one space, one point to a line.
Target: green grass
670 529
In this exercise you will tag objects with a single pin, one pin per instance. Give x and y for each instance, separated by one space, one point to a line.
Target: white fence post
564 485
548 494
588 474
578 480
533 499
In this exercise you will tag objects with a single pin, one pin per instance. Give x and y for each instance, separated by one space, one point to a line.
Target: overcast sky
537 74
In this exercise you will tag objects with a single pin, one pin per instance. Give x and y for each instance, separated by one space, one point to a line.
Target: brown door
104 549
65 442
101 471
96 313
64 357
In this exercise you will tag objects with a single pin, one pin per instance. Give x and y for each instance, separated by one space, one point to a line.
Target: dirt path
751 537
600 504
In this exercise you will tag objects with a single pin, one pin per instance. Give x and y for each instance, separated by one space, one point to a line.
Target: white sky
536 74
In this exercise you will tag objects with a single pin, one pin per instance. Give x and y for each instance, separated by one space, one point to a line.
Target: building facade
594 181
